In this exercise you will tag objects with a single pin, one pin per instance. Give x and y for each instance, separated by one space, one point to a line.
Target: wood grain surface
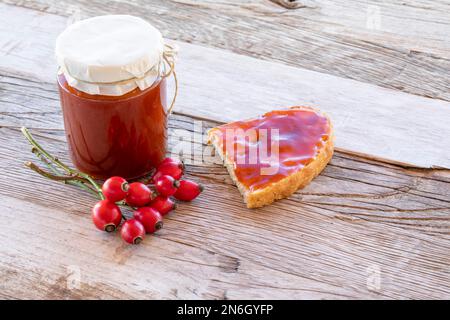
358 221
223 86
358 216
403 45
323 242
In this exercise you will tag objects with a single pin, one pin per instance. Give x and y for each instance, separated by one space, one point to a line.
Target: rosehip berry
163 205
188 190
170 167
132 231
106 215
115 189
150 219
168 159
138 194
166 185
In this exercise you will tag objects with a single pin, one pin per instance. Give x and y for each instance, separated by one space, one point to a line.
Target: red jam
115 135
302 132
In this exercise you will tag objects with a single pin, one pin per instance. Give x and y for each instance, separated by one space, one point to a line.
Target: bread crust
285 187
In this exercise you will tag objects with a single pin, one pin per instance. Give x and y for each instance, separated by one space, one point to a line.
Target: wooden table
375 224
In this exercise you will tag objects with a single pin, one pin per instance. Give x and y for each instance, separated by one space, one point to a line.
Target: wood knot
291 4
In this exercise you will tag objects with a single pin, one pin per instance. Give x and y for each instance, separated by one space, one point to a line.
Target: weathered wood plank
359 217
368 120
402 45
356 218
291 4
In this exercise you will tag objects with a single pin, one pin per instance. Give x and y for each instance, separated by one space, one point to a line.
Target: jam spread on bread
300 133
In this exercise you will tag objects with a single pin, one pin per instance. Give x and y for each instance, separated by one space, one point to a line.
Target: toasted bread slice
305 144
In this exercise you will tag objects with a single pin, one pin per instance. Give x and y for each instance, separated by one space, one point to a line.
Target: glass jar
115 136
113 129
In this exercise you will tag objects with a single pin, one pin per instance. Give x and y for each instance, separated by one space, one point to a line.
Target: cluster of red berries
149 202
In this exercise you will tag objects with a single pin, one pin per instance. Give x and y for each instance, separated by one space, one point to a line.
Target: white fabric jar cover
112 55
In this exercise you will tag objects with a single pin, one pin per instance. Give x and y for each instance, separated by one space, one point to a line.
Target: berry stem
44 160
38 149
48 164
76 181
52 176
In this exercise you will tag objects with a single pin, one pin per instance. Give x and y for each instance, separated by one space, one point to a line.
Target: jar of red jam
112 84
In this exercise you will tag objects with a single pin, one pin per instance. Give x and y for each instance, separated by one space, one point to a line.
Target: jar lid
117 52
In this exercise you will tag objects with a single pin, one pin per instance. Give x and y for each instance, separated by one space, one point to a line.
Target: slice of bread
295 178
